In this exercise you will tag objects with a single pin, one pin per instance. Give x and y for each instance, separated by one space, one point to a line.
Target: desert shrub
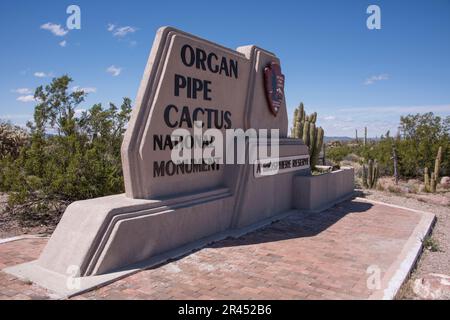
12 139
431 244
420 137
68 157
337 153
380 187
394 189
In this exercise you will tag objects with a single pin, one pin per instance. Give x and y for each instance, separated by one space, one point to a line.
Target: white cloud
111 27
329 118
56 29
79 112
22 91
63 43
85 89
26 98
41 74
114 71
376 78
123 31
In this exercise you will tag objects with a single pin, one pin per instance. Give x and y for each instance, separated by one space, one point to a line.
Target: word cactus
305 129
370 174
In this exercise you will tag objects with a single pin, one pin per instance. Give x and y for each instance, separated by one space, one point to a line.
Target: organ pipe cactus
431 180
370 174
426 178
305 128
437 164
433 183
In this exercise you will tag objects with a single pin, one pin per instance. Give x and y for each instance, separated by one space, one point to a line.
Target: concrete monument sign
171 207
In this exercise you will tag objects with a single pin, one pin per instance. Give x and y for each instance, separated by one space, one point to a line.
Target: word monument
205 156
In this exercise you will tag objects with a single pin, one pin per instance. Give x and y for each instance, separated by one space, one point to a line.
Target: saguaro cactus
305 128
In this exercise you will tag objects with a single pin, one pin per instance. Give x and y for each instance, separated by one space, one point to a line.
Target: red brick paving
315 256
13 253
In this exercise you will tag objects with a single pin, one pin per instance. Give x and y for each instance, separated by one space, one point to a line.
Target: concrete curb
399 271
6 240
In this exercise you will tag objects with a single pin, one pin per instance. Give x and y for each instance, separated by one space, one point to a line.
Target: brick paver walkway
17 252
315 256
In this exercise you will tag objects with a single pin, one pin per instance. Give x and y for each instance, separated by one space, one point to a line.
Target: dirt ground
10 227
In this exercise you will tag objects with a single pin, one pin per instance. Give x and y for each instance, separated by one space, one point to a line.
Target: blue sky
352 76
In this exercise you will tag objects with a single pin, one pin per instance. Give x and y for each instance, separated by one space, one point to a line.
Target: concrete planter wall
316 193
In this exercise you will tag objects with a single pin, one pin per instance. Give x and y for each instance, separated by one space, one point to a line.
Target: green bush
416 146
420 137
339 152
68 158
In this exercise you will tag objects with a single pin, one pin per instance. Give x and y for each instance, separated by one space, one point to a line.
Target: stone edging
398 272
7 240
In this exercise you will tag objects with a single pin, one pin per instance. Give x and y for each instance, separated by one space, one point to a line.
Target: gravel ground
430 262
10 227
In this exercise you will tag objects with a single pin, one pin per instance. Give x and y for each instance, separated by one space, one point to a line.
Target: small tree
68 158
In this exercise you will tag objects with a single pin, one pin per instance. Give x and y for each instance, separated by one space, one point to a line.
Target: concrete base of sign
316 193
110 237
65 285
101 234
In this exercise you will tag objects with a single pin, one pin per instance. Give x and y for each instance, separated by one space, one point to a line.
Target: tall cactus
306 135
294 127
370 174
365 136
318 145
433 183
426 177
437 164
305 128
432 180
364 176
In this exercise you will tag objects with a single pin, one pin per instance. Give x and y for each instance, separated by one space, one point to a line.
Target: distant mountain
348 139
342 139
